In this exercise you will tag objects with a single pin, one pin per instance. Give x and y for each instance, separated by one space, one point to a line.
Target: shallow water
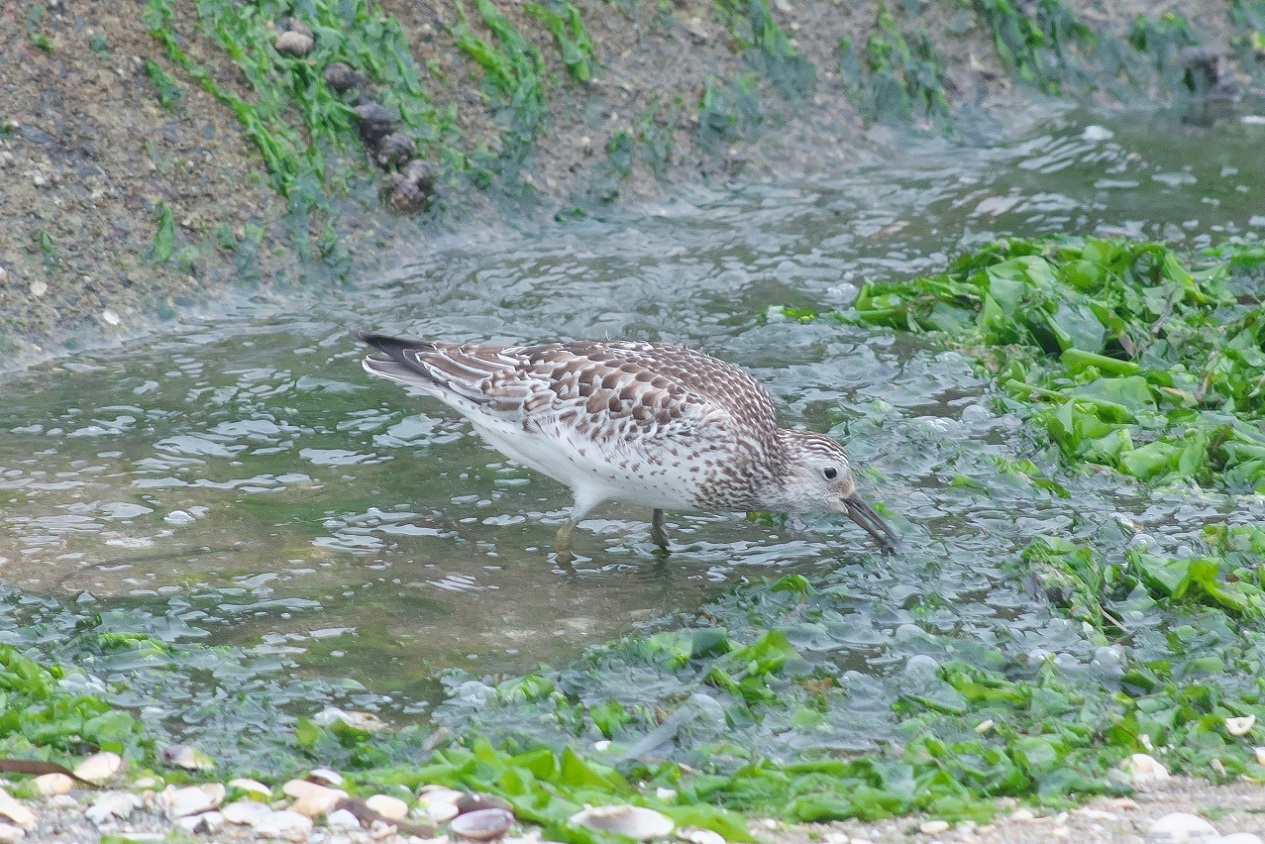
241 481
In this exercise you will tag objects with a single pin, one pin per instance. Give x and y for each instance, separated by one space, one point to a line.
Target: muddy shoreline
132 195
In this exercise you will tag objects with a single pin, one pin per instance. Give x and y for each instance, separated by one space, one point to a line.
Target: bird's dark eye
830 472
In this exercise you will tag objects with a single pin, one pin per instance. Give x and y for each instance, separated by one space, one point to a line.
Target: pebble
1023 815
112 804
99 767
1176 827
392 808
394 150
933 827
341 77
38 288
375 122
294 43
342 820
207 823
284 824
49 784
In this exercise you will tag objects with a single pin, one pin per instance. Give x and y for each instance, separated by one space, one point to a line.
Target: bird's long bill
863 514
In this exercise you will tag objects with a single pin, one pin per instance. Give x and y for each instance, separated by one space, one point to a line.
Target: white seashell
99 767
985 726
392 808
633 821
245 812
439 792
1240 726
1260 755
602 745
15 811
1179 827
10 833
697 835
188 757
192 799
1144 769
284 824
933 827
325 776
366 721
342 820
317 801
147 782
438 811
49 784
112 804
250 787
665 793
482 825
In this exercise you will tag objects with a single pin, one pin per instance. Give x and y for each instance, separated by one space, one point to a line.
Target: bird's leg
562 542
659 530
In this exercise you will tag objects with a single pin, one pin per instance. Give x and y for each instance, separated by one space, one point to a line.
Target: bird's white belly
594 473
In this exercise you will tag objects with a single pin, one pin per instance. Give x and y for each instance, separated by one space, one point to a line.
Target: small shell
325 776
245 812
695 835
474 802
251 787
438 811
633 821
112 804
284 824
99 767
1260 755
15 811
317 801
482 825
392 808
192 800
1144 769
49 784
189 758
1240 726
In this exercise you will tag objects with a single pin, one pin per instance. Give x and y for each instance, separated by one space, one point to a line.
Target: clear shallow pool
240 481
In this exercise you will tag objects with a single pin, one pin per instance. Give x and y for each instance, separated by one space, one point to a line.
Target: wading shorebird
650 424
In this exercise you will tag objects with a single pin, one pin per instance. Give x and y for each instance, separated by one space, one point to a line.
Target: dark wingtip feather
393 346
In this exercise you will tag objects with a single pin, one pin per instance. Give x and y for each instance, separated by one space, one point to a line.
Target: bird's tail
392 360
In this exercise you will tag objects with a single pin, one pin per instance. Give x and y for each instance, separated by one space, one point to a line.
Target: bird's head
819 478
